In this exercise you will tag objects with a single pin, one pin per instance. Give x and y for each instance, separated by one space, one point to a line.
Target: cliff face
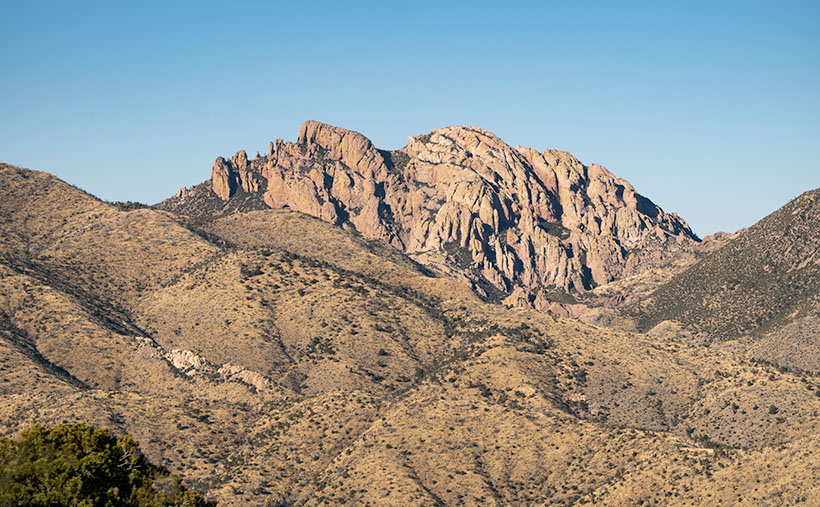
516 222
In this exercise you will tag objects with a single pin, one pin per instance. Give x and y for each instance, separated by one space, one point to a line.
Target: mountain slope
513 221
272 356
762 279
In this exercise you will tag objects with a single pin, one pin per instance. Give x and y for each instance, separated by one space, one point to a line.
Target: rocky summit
520 225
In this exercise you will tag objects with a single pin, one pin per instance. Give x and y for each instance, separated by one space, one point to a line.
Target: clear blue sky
710 109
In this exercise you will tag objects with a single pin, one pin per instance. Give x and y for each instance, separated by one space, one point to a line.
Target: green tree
84 466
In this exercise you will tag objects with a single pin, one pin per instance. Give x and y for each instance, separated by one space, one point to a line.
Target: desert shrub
249 271
84 466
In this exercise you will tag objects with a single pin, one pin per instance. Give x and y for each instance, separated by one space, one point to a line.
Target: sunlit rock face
516 222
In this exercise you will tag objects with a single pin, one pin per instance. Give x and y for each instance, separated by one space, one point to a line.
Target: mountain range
457 322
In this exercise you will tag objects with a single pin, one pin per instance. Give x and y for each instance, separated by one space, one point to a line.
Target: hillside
516 223
271 356
764 279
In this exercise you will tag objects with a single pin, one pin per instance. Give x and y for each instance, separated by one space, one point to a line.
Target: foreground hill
271 356
515 222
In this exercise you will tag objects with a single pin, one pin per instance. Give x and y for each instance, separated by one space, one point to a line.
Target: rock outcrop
190 364
465 202
228 175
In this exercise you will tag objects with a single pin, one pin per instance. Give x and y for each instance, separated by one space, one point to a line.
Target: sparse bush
249 271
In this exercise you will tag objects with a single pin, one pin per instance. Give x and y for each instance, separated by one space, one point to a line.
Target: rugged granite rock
228 175
519 223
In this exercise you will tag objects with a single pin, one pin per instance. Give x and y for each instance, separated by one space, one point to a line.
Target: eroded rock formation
517 222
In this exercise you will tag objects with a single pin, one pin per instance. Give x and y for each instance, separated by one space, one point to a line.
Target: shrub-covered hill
765 278
83 466
273 357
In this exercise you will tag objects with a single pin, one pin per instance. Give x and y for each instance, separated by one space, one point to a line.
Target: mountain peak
326 135
461 200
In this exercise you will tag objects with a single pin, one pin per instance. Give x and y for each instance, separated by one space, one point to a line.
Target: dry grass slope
270 356
761 288
757 281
